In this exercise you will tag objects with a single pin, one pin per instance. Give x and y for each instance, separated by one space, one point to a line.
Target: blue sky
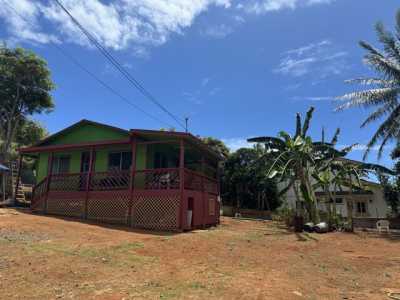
236 68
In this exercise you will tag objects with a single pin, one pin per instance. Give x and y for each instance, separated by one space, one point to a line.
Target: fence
371 222
151 199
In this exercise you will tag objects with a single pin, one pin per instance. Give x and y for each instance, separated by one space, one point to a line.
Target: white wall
376 204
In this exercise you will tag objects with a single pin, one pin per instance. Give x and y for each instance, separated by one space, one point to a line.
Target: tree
246 183
294 160
217 145
305 165
383 90
25 87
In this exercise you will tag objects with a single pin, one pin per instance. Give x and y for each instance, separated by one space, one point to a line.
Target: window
339 201
61 164
361 207
119 161
160 160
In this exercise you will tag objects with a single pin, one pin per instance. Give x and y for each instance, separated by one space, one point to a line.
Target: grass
120 255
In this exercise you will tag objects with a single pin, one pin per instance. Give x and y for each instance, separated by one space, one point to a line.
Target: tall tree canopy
245 182
382 92
25 87
217 145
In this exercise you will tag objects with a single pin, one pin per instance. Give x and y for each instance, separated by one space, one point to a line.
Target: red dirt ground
43 257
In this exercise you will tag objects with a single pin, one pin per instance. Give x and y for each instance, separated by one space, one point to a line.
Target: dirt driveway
44 257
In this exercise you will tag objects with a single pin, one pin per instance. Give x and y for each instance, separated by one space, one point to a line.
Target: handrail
126 174
201 175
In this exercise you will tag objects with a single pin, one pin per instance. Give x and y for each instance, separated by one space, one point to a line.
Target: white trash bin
189 218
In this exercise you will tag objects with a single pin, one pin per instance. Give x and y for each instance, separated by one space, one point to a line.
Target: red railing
112 180
68 182
149 179
199 182
157 179
38 192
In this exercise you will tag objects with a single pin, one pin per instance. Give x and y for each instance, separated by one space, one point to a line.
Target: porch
181 197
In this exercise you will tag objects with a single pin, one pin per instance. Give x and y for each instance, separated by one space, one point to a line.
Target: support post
88 178
203 191
132 179
48 179
182 183
18 178
219 200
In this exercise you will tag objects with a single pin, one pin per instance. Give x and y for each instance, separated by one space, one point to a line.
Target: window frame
55 169
121 152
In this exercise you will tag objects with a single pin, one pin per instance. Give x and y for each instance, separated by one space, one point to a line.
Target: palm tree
295 158
382 92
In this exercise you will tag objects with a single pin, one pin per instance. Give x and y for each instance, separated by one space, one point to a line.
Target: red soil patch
43 257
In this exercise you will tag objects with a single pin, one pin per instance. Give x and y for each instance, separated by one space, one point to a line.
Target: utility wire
119 66
91 74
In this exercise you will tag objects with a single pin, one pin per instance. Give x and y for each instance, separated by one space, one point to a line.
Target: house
368 202
158 180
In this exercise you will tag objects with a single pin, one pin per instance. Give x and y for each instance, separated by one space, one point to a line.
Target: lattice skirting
150 210
109 207
156 212
70 204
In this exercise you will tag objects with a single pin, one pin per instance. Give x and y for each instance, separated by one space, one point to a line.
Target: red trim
132 179
190 137
88 177
182 183
73 146
49 171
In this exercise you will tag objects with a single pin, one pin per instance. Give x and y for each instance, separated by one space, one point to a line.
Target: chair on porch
383 225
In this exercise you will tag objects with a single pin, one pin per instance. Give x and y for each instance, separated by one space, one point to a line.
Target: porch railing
149 179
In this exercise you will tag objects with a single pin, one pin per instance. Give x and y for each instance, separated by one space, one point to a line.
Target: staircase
19 195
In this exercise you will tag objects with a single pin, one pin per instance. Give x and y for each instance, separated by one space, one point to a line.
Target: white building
368 203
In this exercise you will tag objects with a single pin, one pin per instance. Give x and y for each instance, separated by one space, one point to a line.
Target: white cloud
26 28
313 99
125 24
218 31
117 24
236 143
264 6
319 59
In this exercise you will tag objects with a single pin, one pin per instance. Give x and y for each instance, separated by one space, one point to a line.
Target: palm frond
387 66
298 124
335 136
307 121
388 40
379 113
368 98
387 130
372 81
370 48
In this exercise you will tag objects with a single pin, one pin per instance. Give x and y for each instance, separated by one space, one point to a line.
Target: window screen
118 161
61 164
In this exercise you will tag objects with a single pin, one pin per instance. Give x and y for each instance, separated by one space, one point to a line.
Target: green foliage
25 87
245 180
217 145
285 214
382 92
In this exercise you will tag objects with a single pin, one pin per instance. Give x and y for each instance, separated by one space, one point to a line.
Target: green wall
101 161
87 133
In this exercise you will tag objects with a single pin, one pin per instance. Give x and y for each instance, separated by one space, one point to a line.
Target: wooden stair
18 195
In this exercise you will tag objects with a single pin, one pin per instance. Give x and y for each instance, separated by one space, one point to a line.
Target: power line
91 74
119 67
